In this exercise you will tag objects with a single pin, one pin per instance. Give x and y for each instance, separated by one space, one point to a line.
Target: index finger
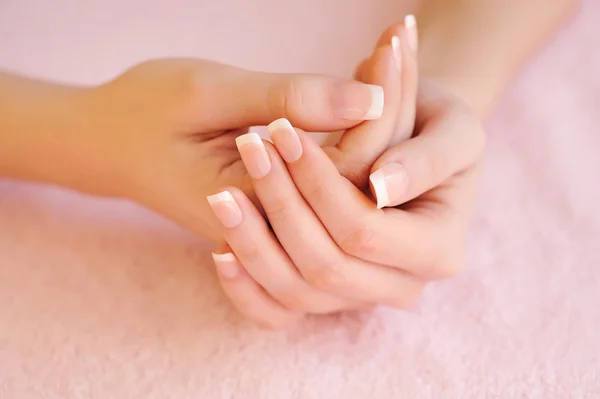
387 237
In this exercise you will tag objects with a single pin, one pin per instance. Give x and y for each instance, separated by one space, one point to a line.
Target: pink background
101 299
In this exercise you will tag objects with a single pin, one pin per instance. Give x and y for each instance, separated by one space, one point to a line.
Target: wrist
44 137
475 47
456 51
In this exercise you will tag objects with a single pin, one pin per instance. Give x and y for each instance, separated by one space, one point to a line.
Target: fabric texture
102 299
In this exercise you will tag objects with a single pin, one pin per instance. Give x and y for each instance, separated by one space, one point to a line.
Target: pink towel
101 299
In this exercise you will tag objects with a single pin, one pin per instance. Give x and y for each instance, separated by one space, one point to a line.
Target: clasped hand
308 229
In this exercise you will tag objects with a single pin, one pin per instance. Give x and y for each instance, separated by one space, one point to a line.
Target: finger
389 243
358 72
410 78
406 33
337 205
359 147
441 215
258 250
229 97
249 298
410 24
451 140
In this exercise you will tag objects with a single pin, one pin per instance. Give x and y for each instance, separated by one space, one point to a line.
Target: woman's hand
163 133
268 289
328 235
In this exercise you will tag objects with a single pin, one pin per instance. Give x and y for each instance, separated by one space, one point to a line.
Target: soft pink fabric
100 299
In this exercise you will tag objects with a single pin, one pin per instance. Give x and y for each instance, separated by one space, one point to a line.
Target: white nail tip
378 182
377 101
395 43
410 21
228 257
249 138
223 196
397 52
279 124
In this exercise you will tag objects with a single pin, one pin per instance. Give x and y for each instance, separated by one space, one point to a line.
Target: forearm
41 133
475 46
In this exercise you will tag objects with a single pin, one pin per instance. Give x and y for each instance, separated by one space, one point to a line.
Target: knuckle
325 276
408 298
316 191
450 266
449 262
293 299
276 323
305 303
286 97
188 82
299 297
188 90
249 254
276 208
437 167
432 168
360 243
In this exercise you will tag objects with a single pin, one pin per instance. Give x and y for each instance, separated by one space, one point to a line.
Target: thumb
449 143
233 98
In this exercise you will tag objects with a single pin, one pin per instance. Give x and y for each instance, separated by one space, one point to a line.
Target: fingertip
253 154
396 48
389 184
286 140
232 192
247 296
410 25
378 189
386 37
246 206
377 102
225 208
226 264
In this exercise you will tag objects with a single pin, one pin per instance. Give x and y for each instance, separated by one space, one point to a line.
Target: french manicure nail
358 101
285 139
225 209
410 23
226 265
254 155
376 109
390 183
397 52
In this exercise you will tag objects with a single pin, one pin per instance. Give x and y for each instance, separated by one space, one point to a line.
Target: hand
163 133
270 289
334 237
337 241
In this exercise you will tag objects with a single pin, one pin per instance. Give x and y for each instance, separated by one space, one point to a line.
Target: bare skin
475 47
115 140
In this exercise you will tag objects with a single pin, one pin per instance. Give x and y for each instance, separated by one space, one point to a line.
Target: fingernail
358 101
225 209
410 23
397 52
285 139
390 183
254 155
226 265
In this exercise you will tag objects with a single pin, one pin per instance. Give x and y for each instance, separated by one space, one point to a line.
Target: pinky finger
247 296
